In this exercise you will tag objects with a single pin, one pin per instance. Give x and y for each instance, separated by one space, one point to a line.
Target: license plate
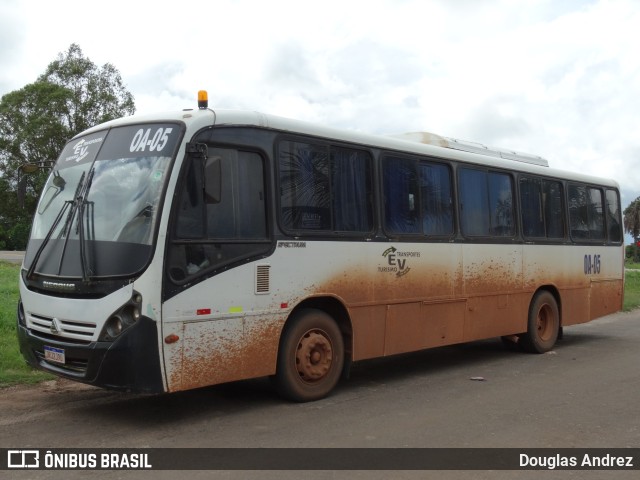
55 355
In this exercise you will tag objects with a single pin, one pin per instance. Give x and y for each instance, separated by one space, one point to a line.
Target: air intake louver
262 279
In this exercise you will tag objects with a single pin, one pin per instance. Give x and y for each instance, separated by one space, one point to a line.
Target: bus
181 250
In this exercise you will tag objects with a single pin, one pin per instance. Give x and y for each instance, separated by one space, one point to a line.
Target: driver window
210 235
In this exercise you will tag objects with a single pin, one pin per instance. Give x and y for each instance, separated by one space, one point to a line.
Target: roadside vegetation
13 369
632 289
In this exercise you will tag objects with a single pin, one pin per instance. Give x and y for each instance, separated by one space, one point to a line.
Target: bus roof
421 143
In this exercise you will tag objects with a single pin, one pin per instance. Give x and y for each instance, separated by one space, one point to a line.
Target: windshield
98 210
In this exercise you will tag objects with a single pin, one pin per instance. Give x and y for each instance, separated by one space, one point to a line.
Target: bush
632 253
18 236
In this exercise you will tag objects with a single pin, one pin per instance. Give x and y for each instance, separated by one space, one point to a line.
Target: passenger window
417 197
437 203
304 186
474 203
486 203
554 215
351 190
501 205
325 188
586 213
542 212
401 196
613 216
532 208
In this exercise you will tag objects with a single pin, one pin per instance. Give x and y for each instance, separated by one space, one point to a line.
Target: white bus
176 251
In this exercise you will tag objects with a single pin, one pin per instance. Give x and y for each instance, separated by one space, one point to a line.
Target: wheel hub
314 356
544 323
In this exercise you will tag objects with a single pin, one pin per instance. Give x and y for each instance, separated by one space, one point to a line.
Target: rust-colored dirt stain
437 300
226 350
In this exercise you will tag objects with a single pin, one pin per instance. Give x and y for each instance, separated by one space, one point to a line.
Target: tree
36 122
96 95
631 219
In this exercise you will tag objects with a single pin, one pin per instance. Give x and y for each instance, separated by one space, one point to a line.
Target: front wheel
310 357
544 324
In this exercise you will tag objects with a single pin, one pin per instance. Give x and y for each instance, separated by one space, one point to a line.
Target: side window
351 190
325 188
240 214
417 197
190 217
554 216
613 216
437 200
501 205
304 186
210 235
586 213
401 196
474 203
532 208
486 203
596 214
542 212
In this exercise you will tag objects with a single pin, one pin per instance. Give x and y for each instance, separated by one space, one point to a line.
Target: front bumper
130 363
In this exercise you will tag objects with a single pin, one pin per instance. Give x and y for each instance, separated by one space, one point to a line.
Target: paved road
585 393
12 257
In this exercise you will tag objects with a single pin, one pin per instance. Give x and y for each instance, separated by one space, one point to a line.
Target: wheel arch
335 308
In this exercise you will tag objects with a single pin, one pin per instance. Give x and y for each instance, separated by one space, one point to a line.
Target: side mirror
213 179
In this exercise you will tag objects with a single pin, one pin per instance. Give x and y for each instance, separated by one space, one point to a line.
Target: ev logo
23 459
397 261
80 150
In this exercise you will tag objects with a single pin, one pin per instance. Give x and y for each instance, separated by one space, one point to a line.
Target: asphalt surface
583 394
11 257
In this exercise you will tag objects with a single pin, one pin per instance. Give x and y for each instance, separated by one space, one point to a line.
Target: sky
555 78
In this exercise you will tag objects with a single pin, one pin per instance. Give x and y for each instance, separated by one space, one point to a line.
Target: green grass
13 369
631 290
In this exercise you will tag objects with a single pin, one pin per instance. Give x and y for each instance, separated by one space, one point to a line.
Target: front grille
71 331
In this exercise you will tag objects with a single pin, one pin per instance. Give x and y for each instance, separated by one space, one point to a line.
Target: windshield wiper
46 239
66 230
80 226
68 203
52 229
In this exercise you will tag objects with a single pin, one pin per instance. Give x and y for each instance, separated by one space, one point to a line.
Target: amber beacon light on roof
203 99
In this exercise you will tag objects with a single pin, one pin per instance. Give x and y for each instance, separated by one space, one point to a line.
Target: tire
544 324
310 357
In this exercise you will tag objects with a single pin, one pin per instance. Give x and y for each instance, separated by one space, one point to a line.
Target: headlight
114 326
124 318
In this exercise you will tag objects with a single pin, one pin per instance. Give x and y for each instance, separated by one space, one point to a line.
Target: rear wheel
310 357
544 324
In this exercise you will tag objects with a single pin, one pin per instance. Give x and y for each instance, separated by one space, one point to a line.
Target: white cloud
558 79
11 41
